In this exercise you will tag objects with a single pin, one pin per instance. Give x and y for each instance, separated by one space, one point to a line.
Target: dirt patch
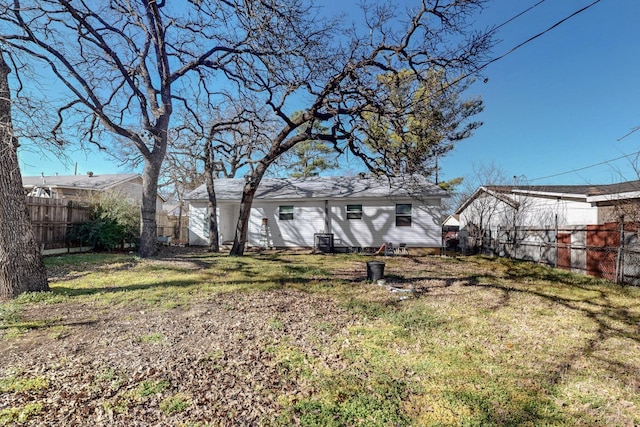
216 356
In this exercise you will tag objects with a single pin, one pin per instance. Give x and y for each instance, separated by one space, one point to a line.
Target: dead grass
291 339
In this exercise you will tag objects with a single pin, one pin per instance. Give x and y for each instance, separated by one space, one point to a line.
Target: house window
285 213
354 211
403 215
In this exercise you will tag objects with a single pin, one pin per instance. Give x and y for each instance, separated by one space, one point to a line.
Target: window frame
404 219
284 214
354 212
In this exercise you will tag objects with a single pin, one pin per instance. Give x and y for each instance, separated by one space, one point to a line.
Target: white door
226 222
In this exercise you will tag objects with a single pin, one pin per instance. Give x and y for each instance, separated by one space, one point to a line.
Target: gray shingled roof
584 190
324 188
85 182
590 193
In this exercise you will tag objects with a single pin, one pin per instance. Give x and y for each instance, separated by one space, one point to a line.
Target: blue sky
560 103
564 100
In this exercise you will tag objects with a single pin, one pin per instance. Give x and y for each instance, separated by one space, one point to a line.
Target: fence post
68 225
557 247
619 275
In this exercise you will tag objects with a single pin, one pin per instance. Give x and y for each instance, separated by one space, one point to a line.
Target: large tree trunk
212 209
21 265
149 228
242 228
248 193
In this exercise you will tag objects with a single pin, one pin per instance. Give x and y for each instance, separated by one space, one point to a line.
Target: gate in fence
606 250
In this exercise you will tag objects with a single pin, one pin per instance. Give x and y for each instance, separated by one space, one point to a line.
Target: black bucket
375 270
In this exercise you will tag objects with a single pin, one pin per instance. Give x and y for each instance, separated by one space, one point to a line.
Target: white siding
227 221
377 226
308 219
197 215
198 226
535 212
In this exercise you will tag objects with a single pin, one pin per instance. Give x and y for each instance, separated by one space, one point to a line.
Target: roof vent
89 174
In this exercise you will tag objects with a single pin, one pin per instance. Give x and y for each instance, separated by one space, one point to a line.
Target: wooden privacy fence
172 231
51 220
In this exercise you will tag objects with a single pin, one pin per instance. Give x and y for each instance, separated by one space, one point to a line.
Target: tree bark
248 193
212 208
149 226
242 227
21 265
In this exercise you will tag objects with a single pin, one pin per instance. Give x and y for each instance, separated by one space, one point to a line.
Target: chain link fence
605 250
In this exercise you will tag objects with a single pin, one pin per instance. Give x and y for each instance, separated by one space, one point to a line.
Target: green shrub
114 219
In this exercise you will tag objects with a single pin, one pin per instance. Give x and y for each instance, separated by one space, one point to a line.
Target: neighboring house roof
173 209
452 220
586 193
325 188
80 182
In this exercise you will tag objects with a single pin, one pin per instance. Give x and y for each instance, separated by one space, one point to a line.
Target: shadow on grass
75 291
609 307
592 298
612 321
494 408
275 282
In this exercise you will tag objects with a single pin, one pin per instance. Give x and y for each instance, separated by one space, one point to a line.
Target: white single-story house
354 212
548 206
589 229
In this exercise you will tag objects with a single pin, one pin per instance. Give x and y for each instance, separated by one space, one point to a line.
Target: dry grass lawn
277 339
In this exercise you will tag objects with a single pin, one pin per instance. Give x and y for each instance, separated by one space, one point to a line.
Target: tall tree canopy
345 86
125 68
309 158
423 117
120 69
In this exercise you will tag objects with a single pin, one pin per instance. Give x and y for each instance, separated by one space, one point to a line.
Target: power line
586 167
496 28
530 39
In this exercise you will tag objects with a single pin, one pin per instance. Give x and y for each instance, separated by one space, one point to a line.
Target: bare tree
21 265
491 205
180 174
626 208
128 65
125 66
341 85
308 158
224 143
479 206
